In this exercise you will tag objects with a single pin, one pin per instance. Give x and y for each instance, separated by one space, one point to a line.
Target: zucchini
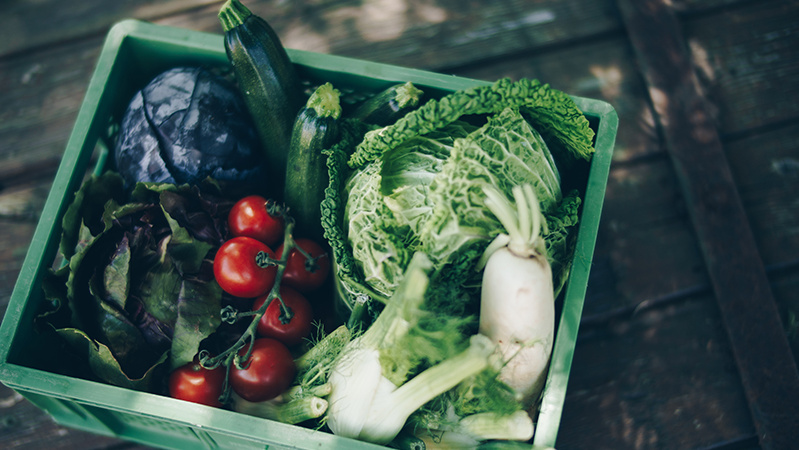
316 128
267 80
389 105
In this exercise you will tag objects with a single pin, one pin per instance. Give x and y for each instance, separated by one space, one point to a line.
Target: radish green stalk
517 306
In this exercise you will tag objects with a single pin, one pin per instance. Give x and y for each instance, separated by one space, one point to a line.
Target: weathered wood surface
653 366
760 346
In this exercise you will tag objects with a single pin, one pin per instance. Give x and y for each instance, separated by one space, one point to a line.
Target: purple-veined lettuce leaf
137 295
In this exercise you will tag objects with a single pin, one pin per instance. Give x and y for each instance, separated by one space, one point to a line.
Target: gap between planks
764 359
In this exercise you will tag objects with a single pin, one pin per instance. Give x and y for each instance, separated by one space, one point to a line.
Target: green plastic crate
133 53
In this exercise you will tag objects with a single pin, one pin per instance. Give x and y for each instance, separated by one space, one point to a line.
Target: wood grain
768 370
643 378
749 69
602 68
42 93
766 171
653 366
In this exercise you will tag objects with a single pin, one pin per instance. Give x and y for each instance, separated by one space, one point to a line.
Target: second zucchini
316 128
389 105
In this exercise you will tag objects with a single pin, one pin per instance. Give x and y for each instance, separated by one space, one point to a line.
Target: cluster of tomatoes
246 267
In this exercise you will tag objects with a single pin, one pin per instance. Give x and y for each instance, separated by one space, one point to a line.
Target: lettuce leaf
389 201
138 291
426 195
551 111
416 185
504 153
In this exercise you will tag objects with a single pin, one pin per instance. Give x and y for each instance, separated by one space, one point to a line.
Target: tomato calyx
276 209
311 262
263 260
286 314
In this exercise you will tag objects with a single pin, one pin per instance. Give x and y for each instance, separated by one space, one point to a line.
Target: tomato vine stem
232 356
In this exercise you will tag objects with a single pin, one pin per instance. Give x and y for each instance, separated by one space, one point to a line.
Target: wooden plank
14 241
644 231
786 285
766 365
42 93
693 7
28 26
662 378
401 32
424 35
381 30
766 170
747 61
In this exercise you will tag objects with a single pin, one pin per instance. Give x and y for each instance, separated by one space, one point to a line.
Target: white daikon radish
517 309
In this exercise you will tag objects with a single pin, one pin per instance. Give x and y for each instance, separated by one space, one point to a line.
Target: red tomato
237 271
298 327
194 383
268 372
301 273
249 217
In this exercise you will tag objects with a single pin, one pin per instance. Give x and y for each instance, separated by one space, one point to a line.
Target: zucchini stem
407 94
233 14
325 101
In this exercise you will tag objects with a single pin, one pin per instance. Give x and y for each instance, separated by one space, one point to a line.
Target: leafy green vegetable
389 201
332 210
426 195
504 153
416 185
407 222
137 292
551 111
559 247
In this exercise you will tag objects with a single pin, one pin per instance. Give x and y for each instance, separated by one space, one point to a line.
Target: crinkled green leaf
105 366
408 170
561 225
377 240
506 152
87 207
199 305
549 109
389 201
116 275
160 285
427 195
